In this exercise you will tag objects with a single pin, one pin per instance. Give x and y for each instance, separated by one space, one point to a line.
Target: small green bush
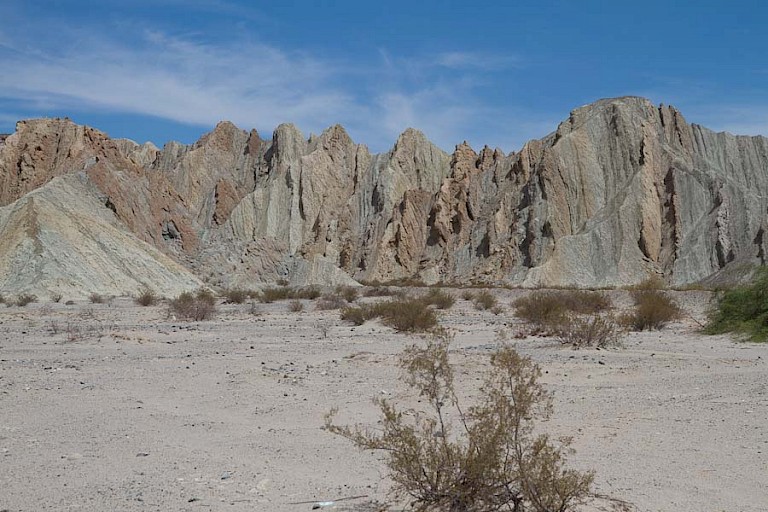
743 310
485 300
653 310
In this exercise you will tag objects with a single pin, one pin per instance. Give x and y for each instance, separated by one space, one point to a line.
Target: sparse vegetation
349 293
146 297
295 306
490 458
485 300
2 298
195 307
595 330
379 291
329 302
24 299
269 295
468 295
235 295
404 315
743 310
438 298
653 310
96 298
56 297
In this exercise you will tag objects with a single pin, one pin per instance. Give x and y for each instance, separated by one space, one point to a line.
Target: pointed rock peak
222 136
414 141
336 135
288 142
287 131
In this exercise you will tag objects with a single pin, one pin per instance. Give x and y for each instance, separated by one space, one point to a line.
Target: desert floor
117 407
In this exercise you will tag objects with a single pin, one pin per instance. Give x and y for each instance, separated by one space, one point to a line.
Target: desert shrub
490 457
378 291
196 307
282 282
583 301
484 300
592 331
307 292
56 297
541 308
24 299
742 310
269 295
349 293
652 283
438 298
96 298
468 295
235 295
330 301
403 315
295 306
653 310
146 297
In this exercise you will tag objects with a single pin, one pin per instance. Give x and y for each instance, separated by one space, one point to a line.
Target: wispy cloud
253 84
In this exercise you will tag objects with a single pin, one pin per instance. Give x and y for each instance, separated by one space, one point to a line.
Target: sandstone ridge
622 190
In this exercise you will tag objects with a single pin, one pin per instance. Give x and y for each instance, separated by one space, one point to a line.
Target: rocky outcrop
621 190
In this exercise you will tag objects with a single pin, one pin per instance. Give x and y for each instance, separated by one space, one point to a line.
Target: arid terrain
119 407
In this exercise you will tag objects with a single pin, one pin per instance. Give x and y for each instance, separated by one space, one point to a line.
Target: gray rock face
621 190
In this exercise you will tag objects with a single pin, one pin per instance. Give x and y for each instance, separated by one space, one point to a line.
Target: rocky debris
621 190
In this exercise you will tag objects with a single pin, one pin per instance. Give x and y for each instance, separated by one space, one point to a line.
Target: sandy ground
115 407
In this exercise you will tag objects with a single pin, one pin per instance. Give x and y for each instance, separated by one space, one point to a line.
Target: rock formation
621 190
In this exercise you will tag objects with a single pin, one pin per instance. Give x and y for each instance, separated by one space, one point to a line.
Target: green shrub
485 300
269 295
438 298
540 308
146 297
653 310
489 458
743 310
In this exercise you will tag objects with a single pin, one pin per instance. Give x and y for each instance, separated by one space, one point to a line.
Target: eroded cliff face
621 190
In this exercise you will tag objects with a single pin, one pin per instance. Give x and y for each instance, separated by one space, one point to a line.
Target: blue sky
496 73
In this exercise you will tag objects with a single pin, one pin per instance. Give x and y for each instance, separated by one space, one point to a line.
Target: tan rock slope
621 190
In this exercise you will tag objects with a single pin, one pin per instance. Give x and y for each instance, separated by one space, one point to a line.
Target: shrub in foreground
235 295
742 310
593 331
438 298
653 310
349 293
196 307
404 315
146 297
485 300
490 458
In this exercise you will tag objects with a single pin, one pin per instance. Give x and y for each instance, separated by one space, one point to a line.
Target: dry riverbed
117 407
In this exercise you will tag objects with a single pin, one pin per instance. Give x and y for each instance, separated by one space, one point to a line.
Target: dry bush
496 310
489 458
56 297
24 299
235 295
349 293
307 292
281 282
295 306
379 291
485 300
269 295
468 295
403 315
438 298
196 307
593 331
542 309
96 298
653 310
146 297
329 302
583 301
